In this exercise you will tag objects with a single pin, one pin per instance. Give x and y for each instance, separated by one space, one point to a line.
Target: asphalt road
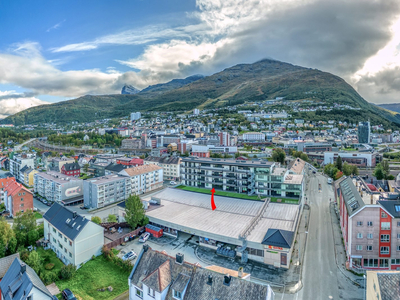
320 279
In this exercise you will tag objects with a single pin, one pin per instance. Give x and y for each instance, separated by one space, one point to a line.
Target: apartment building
71 169
18 161
72 237
57 187
3 183
143 179
253 136
101 191
361 159
169 164
56 163
241 176
371 230
17 198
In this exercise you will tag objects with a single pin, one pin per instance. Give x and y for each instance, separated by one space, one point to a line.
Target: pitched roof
63 219
71 166
6 181
278 238
6 262
160 278
13 187
115 167
16 283
164 160
392 206
389 284
141 170
181 282
351 197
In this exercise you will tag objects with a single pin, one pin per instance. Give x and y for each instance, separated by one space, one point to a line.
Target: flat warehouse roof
193 211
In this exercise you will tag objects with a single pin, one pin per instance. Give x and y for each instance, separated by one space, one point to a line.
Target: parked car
44 201
144 237
68 295
172 183
129 256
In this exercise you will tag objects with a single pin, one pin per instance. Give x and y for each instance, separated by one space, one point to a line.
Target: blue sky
57 50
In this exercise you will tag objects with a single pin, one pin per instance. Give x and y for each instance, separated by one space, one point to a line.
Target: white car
172 183
129 256
144 237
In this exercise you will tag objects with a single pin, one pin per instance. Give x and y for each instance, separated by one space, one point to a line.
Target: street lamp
365 287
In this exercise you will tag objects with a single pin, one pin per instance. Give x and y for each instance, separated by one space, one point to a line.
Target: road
18 147
320 279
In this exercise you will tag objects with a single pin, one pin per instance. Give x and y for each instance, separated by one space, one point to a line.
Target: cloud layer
11 102
357 40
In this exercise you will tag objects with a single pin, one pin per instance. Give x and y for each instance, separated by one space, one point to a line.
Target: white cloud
56 26
12 102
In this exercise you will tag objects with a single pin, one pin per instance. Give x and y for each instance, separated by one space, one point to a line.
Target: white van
329 180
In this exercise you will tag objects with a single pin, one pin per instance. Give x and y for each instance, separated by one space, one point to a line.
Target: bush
67 271
49 266
48 277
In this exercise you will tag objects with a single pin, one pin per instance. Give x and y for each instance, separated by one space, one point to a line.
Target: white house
72 237
144 178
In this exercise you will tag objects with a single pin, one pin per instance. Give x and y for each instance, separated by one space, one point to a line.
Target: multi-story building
129 161
3 183
72 169
58 187
371 230
241 176
169 164
361 159
101 191
143 179
224 139
72 237
313 147
253 136
18 161
56 163
17 198
364 132
135 116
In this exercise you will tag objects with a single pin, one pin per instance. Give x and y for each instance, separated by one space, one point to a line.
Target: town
126 204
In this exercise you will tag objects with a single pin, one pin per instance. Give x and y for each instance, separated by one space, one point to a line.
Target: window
54 230
176 294
60 235
383 263
359 235
70 243
22 199
256 252
359 247
369 224
385 225
369 247
385 250
397 208
19 194
385 238
370 236
70 254
395 261
22 205
151 293
54 240
383 215
398 235
65 239
359 223
23 193
139 293
370 263
398 248
65 249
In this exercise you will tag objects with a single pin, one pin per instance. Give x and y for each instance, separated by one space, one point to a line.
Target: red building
201 154
127 161
157 232
72 169
17 198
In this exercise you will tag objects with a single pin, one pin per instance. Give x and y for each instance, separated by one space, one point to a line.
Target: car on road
172 183
129 256
144 237
68 295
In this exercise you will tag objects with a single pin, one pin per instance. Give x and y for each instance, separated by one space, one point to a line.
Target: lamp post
365 287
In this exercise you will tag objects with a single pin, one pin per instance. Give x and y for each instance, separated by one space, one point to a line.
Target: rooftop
57 177
222 161
141 170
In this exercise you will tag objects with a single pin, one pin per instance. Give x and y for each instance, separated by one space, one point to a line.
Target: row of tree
338 169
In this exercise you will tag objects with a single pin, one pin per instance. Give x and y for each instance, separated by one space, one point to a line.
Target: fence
122 238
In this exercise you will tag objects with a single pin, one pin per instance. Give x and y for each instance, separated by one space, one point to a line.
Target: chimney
227 279
240 272
74 214
145 247
23 268
209 280
179 258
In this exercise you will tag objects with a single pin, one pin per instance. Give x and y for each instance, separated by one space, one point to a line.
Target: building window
151 293
54 240
385 238
139 293
398 224
256 252
359 247
383 215
385 250
383 263
70 243
176 294
22 199
395 261
369 236
22 205
398 248
359 223
359 235
369 224
70 254
369 247
65 239
370 263
65 249
60 235
385 225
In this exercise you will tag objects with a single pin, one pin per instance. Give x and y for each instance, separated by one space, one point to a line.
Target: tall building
224 139
196 111
135 116
18 161
364 132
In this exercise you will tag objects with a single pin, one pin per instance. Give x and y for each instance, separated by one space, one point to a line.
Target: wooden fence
122 238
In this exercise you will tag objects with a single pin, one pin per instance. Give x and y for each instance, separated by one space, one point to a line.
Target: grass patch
38 215
234 195
115 251
95 274
49 257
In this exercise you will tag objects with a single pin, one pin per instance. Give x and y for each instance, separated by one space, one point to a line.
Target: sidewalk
340 252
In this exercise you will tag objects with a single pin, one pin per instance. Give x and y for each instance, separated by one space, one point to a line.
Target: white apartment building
72 237
170 165
253 136
135 116
144 178
19 161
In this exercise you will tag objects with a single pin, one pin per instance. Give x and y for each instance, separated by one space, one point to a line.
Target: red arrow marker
212 199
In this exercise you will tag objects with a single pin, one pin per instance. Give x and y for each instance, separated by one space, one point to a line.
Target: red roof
372 187
5 181
14 187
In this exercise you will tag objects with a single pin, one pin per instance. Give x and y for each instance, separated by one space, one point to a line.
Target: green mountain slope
266 79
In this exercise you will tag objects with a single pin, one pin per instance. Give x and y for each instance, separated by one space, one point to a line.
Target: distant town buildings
135 116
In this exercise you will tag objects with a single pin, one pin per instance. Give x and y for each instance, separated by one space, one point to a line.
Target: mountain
265 79
129 90
395 107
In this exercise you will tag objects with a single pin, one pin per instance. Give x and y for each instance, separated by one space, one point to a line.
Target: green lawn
232 194
95 274
38 215
49 256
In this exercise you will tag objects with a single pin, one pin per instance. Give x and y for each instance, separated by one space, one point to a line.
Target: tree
330 170
304 157
339 163
381 170
7 237
347 169
279 155
96 219
134 211
354 170
385 167
86 167
34 261
112 218
24 223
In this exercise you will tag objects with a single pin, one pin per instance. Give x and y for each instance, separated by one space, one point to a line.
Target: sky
58 50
